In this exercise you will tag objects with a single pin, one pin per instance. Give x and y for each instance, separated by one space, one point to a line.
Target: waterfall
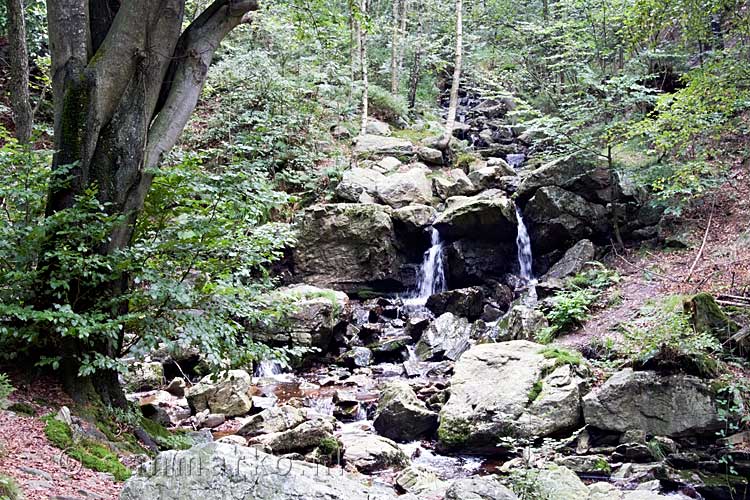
431 278
523 242
268 369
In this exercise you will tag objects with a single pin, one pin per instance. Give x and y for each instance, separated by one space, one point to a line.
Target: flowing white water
431 274
268 369
523 242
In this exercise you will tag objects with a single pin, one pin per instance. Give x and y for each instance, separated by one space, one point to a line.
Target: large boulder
371 453
558 218
573 262
347 247
489 215
471 261
492 177
401 416
464 302
376 146
304 437
314 315
357 181
270 420
523 323
559 483
455 183
225 393
217 471
407 188
144 376
479 488
568 173
509 389
660 405
376 127
446 338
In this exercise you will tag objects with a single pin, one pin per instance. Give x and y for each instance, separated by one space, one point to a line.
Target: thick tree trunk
416 66
19 71
455 86
363 65
126 79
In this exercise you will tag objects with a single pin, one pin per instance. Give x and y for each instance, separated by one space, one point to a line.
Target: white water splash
431 274
268 369
523 242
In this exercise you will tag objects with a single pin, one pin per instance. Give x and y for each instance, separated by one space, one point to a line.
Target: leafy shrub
386 106
9 489
664 338
6 388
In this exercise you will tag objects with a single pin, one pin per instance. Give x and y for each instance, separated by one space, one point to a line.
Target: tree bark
126 79
455 86
417 60
363 64
394 46
23 118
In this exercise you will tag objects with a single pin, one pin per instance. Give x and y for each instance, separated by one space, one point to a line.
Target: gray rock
220 471
430 155
346 247
455 183
463 302
407 188
177 387
491 177
660 405
371 146
488 212
376 127
302 438
225 393
415 217
479 488
524 323
388 164
569 174
420 481
559 483
371 453
401 416
357 357
446 338
573 262
310 323
520 402
277 419
357 181
144 376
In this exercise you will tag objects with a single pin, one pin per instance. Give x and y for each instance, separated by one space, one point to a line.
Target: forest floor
41 470
717 260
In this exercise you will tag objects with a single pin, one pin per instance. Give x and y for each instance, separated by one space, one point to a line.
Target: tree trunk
402 29
363 64
125 79
353 43
19 71
453 105
394 46
417 61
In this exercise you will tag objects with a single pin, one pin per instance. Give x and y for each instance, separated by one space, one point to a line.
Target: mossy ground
9 490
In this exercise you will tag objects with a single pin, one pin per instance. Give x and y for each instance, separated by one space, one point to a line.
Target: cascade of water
268 368
431 278
523 242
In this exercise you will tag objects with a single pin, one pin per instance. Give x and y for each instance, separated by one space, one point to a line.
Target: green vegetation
9 490
6 389
92 455
535 391
166 439
562 356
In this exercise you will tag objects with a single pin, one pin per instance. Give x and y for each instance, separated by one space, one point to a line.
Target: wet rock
314 316
490 214
225 393
391 349
569 174
446 338
573 262
228 471
303 437
662 405
524 323
271 420
523 400
470 260
407 188
346 406
401 416
347 247
371 453
463 302
559 218
357 357
357 181
373 146
479 488
144 376
420 482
